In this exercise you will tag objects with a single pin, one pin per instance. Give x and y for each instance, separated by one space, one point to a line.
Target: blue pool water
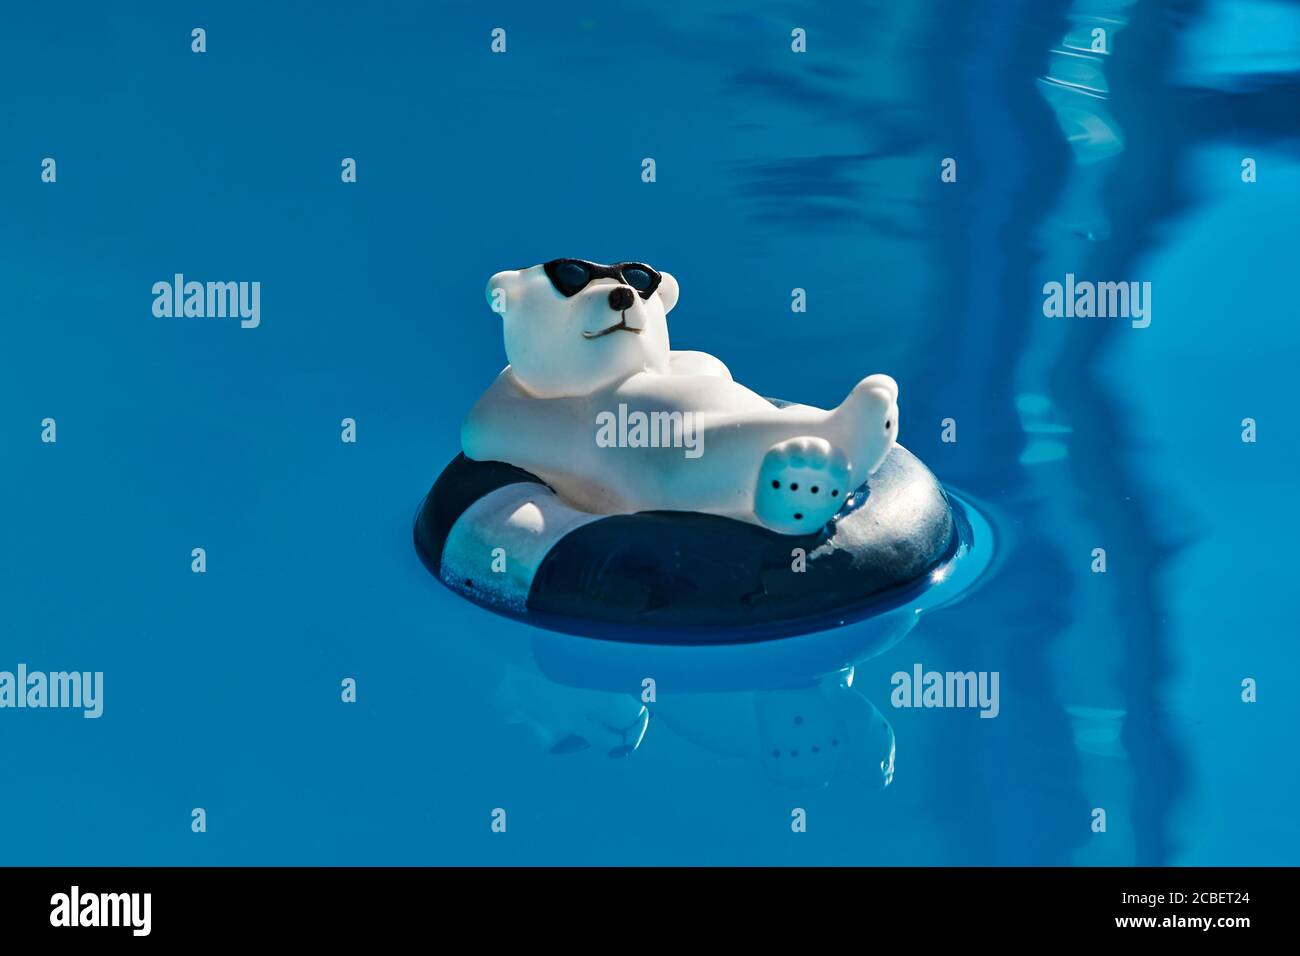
775 170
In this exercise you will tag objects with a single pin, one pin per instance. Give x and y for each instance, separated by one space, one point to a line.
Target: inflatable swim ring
502 538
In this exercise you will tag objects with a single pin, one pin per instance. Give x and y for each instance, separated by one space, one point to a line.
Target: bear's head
572 326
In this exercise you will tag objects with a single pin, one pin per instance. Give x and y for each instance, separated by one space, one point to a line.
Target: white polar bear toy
588 350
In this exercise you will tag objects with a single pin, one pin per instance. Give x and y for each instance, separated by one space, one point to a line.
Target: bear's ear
499 288
667 291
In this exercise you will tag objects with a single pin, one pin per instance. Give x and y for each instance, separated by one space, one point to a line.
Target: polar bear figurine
588 349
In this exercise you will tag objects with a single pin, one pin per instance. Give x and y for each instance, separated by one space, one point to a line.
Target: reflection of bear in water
803 737
585 339
568 720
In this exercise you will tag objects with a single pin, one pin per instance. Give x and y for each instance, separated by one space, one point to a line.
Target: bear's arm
485 432
507 424
697 363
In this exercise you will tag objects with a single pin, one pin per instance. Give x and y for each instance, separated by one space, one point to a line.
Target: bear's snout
620 299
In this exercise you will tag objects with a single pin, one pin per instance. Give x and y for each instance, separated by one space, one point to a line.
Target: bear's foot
802 483
867 423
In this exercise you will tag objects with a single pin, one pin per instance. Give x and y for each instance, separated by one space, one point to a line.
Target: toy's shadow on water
789 705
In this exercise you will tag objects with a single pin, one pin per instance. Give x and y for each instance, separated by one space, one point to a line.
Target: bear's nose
620 299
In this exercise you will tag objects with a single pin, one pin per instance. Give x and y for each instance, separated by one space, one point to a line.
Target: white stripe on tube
524 520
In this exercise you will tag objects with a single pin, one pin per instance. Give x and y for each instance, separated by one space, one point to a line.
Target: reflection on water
569 720
800 737
790 705
1077 90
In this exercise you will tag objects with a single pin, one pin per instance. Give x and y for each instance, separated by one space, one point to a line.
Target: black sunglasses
570 276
